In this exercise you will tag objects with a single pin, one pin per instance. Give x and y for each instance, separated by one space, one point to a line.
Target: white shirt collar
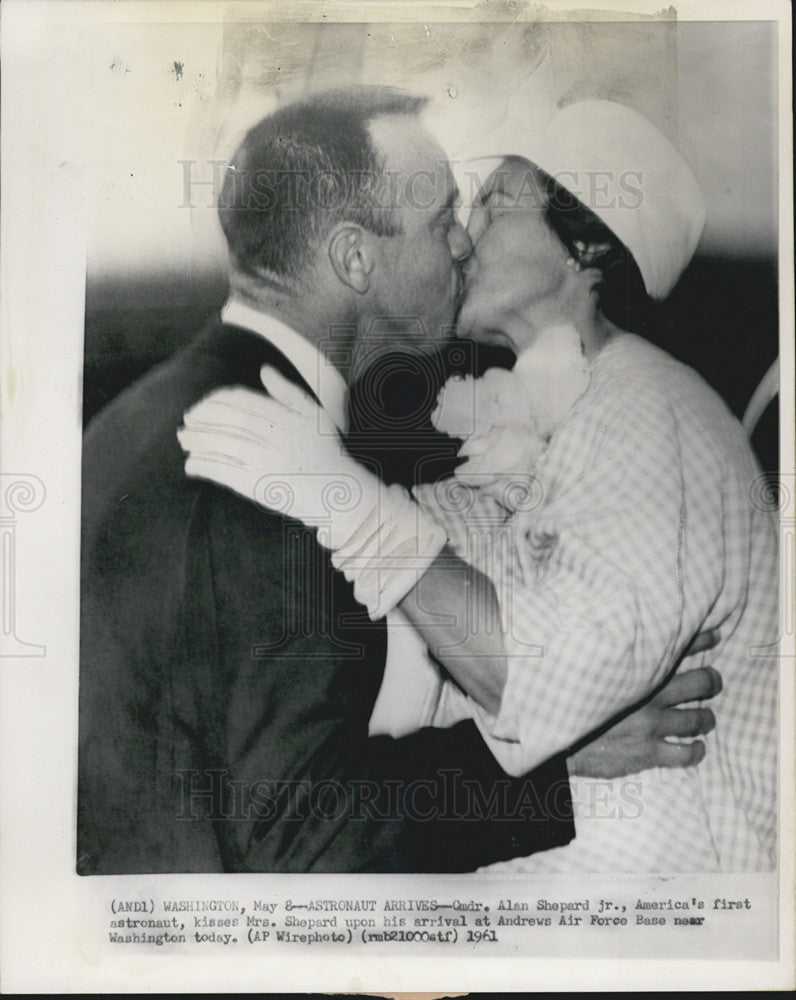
317 371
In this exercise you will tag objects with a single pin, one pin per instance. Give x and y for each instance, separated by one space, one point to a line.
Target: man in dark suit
227 672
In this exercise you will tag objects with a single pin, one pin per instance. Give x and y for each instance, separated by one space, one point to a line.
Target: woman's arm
453 606
455 609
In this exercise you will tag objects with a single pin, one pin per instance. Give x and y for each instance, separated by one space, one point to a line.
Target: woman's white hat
626 171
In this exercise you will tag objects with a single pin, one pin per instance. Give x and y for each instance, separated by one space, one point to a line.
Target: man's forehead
411 151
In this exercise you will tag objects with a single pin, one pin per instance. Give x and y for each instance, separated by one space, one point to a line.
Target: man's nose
460 243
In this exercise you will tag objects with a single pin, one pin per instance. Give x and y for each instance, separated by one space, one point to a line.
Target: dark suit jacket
227 677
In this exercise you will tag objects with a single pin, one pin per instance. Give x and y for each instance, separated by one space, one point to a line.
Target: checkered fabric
643 530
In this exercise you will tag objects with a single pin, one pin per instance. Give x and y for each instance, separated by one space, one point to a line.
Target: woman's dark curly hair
623 297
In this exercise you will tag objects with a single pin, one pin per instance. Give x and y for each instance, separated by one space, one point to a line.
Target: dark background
723 321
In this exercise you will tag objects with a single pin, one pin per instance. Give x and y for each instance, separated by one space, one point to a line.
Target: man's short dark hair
303 169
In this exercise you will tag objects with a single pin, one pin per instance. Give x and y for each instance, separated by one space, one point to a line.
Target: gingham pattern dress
645 526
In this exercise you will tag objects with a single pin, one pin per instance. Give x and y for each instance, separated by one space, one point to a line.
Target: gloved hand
283 452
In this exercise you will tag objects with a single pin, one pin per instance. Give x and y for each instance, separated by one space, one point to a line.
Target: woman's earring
574 264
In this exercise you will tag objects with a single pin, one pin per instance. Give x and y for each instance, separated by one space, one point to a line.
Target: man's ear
351 256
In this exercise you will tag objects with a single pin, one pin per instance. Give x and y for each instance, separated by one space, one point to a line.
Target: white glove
284 452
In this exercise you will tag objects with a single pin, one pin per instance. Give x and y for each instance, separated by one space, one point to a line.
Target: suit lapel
242 354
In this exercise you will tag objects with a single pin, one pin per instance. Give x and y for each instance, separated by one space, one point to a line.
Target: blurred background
172 101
